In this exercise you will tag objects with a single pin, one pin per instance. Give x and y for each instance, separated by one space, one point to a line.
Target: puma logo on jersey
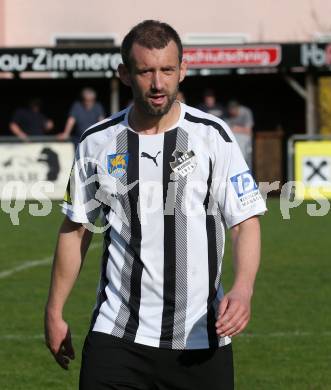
144 154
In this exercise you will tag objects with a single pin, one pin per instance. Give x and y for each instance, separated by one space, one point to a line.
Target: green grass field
286 346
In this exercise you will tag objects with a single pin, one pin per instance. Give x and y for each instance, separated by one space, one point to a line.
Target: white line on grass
296 333
34 263
244 335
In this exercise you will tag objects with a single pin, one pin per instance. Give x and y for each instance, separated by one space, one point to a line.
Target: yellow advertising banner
324 105
312 169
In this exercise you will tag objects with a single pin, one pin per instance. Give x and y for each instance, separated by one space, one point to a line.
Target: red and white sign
233 56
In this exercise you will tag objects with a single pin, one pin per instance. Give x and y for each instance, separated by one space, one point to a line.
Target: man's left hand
234 313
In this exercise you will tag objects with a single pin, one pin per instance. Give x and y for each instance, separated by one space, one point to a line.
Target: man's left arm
235 307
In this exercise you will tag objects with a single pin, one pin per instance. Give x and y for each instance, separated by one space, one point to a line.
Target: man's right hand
62 136
23 137
72 245
58 340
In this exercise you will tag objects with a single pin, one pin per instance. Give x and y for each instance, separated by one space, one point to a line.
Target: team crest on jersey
117 164
184 162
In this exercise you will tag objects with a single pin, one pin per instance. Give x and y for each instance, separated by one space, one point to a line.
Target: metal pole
114 95
290 164
295 86
311 127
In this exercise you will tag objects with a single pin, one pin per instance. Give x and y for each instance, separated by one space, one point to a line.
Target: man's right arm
72 245
16 130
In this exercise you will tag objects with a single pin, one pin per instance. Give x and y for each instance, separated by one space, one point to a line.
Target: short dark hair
151 34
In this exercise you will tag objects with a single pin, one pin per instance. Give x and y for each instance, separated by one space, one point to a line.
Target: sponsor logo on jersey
153 158
245 188
117 164
184 162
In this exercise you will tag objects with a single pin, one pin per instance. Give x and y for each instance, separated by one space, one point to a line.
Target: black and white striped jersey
165 200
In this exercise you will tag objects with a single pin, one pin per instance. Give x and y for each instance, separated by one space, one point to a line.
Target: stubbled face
154 77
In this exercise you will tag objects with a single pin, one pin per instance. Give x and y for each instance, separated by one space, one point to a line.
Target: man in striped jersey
166 179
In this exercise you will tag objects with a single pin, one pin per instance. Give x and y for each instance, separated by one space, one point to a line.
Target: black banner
308 55
40 59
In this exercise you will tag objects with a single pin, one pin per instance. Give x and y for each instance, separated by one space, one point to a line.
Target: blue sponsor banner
243 183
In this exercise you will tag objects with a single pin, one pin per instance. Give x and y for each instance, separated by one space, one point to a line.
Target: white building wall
2 26
36 22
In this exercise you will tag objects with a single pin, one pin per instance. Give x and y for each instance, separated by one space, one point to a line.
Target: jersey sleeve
235 189
80 203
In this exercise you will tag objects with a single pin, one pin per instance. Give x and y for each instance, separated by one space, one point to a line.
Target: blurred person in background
210 104
240 120
30 121
82 115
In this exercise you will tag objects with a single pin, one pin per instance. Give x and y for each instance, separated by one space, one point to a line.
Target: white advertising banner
35 170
